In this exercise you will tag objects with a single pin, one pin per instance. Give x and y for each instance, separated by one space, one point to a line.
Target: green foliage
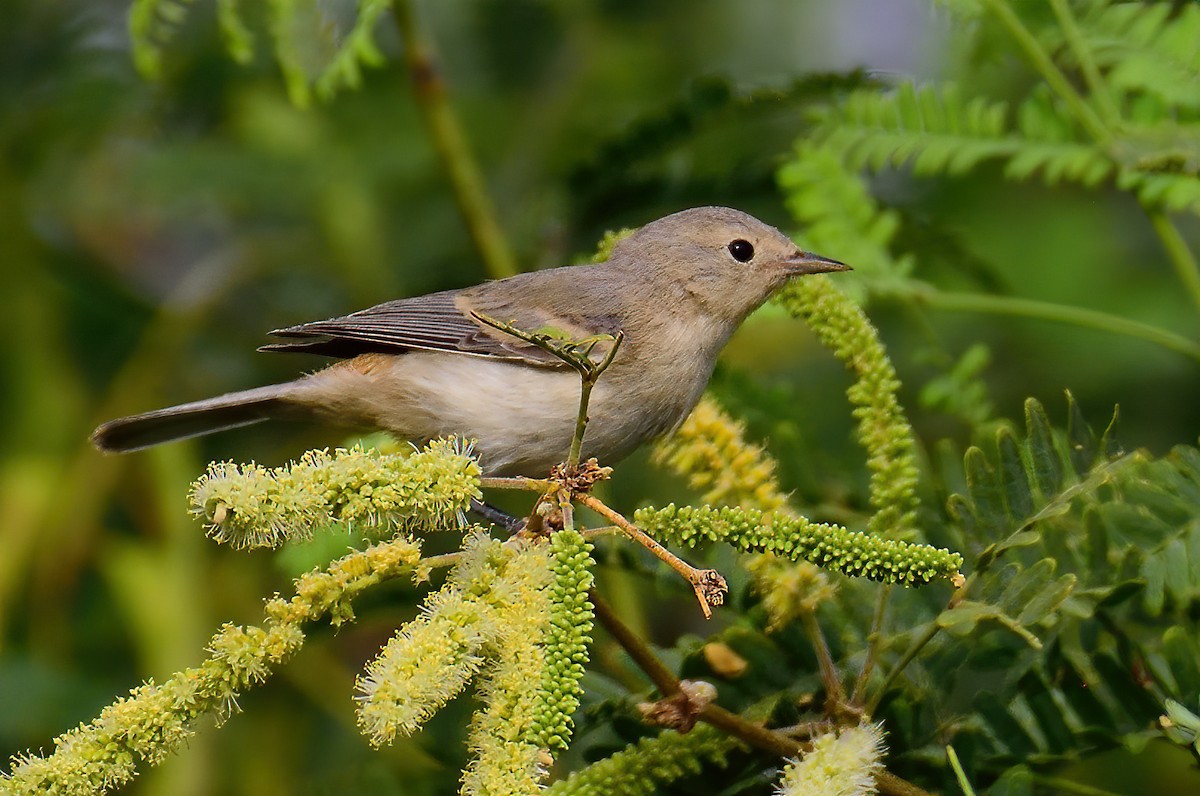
310 55
1074 544
936 130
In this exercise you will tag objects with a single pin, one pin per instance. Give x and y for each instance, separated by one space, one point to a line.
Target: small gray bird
423 367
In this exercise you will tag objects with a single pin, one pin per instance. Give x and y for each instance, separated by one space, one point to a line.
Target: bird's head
729 261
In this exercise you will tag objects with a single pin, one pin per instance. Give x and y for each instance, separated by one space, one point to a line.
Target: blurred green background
151 233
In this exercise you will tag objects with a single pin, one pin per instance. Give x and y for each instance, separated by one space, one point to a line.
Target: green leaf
1047 470
1012 476
1046 601
1030 581
985 493
1016 781
1182 656
1080 437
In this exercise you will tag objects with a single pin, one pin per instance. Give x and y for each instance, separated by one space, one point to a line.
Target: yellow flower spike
155 720
494 598
361 490
711 451
423 667
508 758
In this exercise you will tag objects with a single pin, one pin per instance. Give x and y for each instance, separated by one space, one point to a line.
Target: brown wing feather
433 322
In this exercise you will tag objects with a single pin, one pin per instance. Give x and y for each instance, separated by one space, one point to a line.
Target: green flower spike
639 769
831 546
566 639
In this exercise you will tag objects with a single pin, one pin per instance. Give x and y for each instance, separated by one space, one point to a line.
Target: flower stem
860 686
834 695
930 631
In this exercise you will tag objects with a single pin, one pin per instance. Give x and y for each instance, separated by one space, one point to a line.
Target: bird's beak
809 263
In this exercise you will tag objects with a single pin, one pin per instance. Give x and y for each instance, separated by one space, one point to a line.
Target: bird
427 367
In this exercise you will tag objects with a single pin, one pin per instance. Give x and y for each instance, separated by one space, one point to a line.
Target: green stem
581 419
1062 313
1044 64
876 635
1181 256
931 630
834 695
452 147
963 782
517 482
1087 65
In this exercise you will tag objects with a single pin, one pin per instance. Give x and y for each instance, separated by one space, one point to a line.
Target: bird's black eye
742 250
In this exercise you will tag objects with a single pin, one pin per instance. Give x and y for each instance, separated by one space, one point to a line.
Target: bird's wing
437 322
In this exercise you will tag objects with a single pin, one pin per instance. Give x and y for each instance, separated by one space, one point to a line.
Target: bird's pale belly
522 418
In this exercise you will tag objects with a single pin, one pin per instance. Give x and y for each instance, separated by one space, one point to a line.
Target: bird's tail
232 410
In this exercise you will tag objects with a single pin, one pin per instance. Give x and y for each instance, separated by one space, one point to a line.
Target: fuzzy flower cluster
844 763
513 616
710 450
361 490
831 546
567 637
433 657
506 759
640 769
156 719
882 427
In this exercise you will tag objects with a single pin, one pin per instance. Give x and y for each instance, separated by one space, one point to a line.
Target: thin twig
708 584
961 775
452 147
876 635
928 635
531 484
588 381
577 354
663 678
834 695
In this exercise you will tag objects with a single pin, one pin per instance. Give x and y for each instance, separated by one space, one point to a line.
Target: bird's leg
497 516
